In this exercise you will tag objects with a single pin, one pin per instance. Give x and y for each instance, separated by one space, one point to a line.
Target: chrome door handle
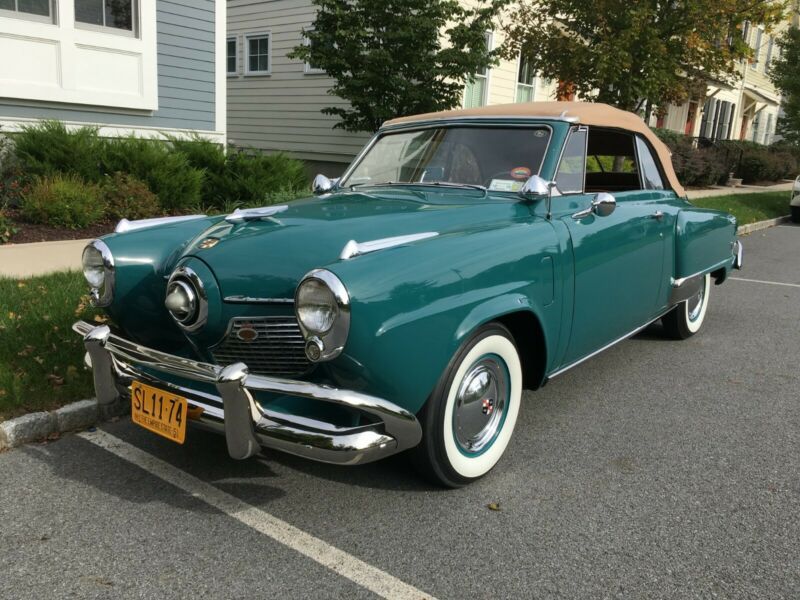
658 215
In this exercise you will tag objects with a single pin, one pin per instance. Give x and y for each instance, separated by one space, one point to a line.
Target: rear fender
703 241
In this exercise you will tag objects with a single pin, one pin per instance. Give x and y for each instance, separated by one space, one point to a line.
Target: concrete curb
38 426
751 227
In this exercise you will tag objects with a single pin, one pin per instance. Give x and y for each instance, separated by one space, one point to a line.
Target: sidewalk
28 260
720 190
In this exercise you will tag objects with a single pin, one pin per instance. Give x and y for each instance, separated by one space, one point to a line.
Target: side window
611 162
569 178
650 173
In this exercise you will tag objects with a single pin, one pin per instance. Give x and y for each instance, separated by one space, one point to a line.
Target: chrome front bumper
116 362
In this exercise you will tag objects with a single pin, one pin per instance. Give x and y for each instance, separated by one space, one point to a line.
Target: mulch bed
33 232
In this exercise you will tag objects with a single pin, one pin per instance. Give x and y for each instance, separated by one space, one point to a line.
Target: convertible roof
585 113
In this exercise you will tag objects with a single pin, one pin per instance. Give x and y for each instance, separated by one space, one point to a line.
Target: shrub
7 229
49 147
242 177
63 201
167 172
127 197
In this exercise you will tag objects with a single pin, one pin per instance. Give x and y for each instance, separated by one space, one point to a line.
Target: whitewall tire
470 417
687 318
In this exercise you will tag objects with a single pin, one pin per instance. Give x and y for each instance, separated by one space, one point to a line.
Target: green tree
785 74
391 58
636 54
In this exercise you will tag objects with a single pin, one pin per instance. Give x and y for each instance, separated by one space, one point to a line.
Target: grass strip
749 208
41 359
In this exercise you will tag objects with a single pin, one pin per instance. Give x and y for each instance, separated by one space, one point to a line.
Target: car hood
266 258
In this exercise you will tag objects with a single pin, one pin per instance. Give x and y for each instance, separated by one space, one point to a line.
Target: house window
757 48
525 80
476 90
35 10
310 68
118 15
258 54
756 127
768 131
232 56
770 51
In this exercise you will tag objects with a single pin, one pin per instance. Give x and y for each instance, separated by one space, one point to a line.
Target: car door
618 246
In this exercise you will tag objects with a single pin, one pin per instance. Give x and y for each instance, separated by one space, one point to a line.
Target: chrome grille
279 348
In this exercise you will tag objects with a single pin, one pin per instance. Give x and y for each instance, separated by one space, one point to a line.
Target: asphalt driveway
658 469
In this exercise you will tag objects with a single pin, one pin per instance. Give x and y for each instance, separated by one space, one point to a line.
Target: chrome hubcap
480 406
696 303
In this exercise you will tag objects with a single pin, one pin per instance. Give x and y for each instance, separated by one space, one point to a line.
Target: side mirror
322 184
603 205
535 186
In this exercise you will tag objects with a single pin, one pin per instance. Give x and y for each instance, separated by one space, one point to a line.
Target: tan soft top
585 113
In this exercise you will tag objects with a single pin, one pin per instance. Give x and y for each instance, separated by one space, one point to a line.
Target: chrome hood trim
254 214
353 248
125 225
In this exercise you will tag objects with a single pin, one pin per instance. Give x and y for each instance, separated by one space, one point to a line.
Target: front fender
413 307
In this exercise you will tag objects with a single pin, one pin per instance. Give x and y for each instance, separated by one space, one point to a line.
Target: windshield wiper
472 186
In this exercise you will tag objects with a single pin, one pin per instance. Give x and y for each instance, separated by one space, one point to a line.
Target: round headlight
316 306
93 267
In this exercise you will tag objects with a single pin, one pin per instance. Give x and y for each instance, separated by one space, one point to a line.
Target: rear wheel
686 319
795 214
468 420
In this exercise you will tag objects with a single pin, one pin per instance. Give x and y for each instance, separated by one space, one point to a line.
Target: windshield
498 158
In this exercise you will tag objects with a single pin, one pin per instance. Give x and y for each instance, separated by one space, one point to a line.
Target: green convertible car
463 257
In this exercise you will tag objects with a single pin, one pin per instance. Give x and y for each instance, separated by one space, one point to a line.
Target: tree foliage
392 58
785 75
628 53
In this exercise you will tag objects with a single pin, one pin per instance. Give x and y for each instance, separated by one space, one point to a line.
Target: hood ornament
254 214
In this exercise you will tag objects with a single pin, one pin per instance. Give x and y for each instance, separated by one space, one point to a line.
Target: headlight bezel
187 276
102 295
330 342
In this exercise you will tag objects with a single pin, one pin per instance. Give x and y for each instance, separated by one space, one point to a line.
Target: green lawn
41 359
749 208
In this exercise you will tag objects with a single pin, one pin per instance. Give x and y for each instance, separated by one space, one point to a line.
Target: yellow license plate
159 411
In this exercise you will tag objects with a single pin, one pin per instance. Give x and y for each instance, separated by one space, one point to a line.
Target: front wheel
795 214
685 320
468 420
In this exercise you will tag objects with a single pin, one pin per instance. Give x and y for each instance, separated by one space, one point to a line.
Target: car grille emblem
247 333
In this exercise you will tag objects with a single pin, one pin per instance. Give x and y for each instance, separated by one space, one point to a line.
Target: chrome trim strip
607 346
353 248
124 226
254 214
254 300
247 427
466 118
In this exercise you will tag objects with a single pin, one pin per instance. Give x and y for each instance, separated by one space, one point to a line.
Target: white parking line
797 285
338 561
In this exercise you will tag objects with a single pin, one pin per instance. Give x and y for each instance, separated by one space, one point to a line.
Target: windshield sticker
520 172
505 185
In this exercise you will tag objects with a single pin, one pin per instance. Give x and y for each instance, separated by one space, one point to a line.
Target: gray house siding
186 77
281 111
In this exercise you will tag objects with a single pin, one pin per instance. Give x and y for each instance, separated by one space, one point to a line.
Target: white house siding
176 84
